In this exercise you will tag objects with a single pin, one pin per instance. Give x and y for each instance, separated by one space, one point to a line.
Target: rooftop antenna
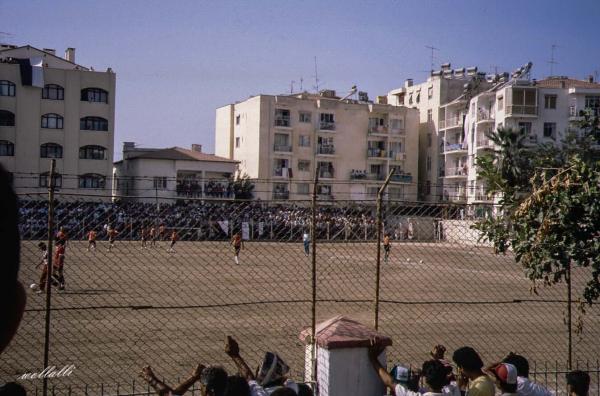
301 81
552 62
292 86
316 76
432 48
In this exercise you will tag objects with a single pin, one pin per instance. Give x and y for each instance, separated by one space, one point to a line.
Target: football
33 286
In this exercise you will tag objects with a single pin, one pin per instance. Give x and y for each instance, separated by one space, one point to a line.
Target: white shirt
448 390
525 387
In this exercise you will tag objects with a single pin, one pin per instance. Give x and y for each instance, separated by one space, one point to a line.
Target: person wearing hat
578 383
401 380
525 387
505 377
470 374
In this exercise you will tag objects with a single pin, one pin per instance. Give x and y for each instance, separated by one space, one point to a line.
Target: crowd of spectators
192 188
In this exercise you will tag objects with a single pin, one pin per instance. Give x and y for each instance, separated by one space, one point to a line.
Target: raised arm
232 349
160 387
185 385
386 378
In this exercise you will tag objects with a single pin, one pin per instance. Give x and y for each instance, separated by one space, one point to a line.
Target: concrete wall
460 232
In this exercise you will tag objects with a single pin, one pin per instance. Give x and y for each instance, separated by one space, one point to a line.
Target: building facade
442 104
281 141
547 110
163 175
53 108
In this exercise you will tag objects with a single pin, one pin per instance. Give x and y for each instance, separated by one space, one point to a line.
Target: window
410 99
282 117
91 180
325 169
525 127
52 121
304 140
237 142
160 183
429 115
7 118
429 139
549 101
302 189
282 142
500 103
237 119
324 189
7 88
92 152
396 124
428 165
97 95
327 121
281 167
51 150
430 92
418 96
43 180
550 130
427 187
53 92
592 102
7 149
93 124
303 166
304 117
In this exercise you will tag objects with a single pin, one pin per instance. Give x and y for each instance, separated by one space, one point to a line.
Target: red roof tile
554 82
342 332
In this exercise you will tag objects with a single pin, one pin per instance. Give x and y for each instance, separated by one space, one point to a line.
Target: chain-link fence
161 286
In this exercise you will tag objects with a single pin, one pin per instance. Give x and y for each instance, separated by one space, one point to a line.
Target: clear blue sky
177 61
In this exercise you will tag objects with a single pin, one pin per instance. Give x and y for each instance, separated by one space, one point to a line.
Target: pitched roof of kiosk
342 332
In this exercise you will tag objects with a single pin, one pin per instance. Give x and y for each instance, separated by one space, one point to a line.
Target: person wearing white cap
525 387
505 376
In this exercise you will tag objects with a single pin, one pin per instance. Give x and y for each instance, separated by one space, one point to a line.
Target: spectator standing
578 383
505 376
525 387
470 374
306 242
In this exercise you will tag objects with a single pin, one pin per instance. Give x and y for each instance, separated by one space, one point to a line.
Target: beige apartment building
442 102
547 110
281 140
54 108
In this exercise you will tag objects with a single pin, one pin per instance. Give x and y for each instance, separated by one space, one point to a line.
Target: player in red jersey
112 235
237 244
143 237
174 239
91 240
61 237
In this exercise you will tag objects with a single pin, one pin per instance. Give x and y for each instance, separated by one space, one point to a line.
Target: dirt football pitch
130 307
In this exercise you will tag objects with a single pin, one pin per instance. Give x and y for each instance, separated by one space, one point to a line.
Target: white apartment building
545 109
54 108
163 175
281 140
442 104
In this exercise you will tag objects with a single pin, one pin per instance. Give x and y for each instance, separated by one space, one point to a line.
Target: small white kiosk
343 366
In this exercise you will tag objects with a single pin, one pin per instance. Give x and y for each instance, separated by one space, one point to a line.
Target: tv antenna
552 62
301 81
316 76
292 86
432 48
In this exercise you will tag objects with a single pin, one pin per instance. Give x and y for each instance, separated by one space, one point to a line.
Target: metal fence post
379 225
49 271
313 236
569 314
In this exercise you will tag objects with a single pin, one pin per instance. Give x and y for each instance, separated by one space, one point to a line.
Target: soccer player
237 244
112 234
143 235
58 271
91 240
306 242
174 238
41 286
386 247
161 232
61 237
152 236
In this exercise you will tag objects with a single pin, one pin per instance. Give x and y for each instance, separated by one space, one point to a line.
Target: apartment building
547 110
281 140
442 102
165 174
54 108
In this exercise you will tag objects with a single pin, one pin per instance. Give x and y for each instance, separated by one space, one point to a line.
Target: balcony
282 148
481 196
461 171
282 195
326 174
325 149
327 126
402 178
377 130
484 142
397 155
522 110
454 147
454 122
283 122
577 114
397 132
485 116
377 153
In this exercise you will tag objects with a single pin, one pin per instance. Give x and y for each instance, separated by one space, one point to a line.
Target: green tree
243 187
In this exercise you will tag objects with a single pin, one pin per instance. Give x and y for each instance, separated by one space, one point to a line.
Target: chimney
408 82
70 54
590 78
197 148
50 51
